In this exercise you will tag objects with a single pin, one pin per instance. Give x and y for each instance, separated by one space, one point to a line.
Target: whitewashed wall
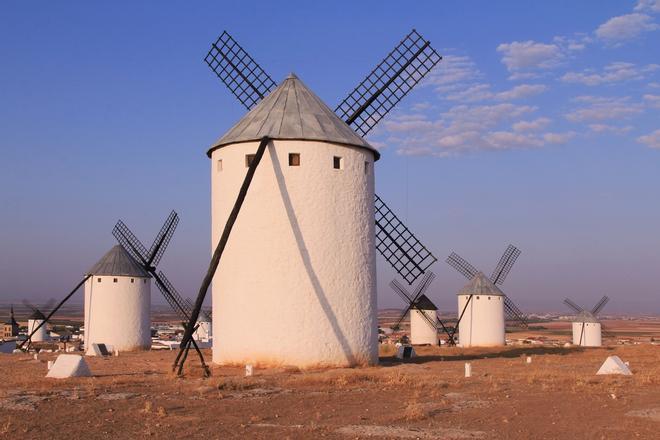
297 282
421 331
591 336
483 322
118 314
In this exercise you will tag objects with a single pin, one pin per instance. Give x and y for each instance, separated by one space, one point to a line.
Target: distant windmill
149 259
36 322
305 134
485 319
586 328
423 313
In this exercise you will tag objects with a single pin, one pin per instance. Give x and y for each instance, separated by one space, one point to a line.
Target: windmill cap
292 112
118 262
585 317
37 315
424 303
481 285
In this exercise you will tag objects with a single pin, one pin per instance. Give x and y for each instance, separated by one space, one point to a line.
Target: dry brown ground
558 395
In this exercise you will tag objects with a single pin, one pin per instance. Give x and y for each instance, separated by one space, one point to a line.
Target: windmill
423 313
586 328
36 321
491 325
149 259
304 117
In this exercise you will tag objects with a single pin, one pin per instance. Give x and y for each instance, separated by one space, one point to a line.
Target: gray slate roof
424 303
37 315
481 285
585 317
118 262
292 111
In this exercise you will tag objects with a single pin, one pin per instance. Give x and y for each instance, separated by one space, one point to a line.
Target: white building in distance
482 324
35 321
118 303
586 330
424 322
297 280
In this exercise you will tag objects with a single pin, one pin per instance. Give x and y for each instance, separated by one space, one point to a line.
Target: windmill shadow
389 361
306 260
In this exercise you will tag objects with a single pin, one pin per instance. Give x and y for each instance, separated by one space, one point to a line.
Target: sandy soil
558 395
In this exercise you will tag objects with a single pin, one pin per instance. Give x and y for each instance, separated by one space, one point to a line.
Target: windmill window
132 280
489 298
477 297
98 280
248 160
337 162
219 166
114 280
366 168
294 159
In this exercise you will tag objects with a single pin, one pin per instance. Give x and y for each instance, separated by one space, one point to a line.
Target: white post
50 364
248 370
529 359
468 369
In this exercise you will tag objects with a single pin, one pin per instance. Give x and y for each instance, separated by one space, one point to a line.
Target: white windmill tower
118 303
587 331
297 281
482 306
37 327
423 313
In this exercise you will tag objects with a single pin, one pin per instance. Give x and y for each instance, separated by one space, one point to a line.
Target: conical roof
118 262
37 315
585 317
292 111
424 303
481 285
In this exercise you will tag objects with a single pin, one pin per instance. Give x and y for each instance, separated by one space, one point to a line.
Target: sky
540 127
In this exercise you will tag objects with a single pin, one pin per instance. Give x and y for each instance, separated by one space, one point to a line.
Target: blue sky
539 128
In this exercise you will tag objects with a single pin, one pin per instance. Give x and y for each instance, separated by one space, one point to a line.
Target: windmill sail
391 80
399 246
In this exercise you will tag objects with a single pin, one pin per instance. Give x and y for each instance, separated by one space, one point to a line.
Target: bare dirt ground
134 395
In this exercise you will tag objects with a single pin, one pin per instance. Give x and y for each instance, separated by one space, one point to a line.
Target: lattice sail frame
411 299
163 239
405 253
246 80
505 264
388 83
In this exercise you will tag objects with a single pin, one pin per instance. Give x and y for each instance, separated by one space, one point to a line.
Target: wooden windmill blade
163 239
399 246
180 307
505 264
244 78
573 306
462 265
514 313
392 79
599 306
131 243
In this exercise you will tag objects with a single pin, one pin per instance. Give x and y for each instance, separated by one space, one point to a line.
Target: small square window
114 280
337 163
219 165
248 160
294 159
132 280
366 168
98 280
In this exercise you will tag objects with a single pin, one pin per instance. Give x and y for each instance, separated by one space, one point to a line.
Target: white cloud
625 28
522 55
651 140
652 100
605 128
558 138
613 72
535 125
601 109
521 91
654 85
648 5
451 70
482 92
